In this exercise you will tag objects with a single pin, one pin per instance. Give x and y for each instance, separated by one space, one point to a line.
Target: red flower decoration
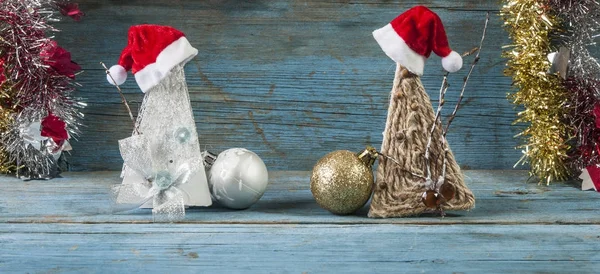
2 76
594 173
54 128
71 10
597 114
59 59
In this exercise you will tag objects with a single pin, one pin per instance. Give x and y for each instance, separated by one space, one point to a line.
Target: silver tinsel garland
581 23
579 30
38 89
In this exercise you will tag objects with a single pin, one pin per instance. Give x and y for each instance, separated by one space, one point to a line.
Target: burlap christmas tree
398 192
423 175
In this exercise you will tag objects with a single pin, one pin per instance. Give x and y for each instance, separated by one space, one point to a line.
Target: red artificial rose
597 114
71 10
59 59
594 172
2 77
54 128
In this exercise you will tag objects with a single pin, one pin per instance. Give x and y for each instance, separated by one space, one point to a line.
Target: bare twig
438 113
388 157
471 52
443 165
123 100
398 163
466 79
441 102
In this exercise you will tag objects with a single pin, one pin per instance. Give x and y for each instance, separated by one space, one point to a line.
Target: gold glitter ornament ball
342 181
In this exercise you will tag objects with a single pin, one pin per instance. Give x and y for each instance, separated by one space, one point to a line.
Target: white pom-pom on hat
453 62
118 73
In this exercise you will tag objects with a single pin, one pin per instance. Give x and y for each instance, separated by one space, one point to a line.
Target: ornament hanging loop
208 158
368 155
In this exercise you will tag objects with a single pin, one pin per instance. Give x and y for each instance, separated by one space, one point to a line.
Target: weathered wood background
290 80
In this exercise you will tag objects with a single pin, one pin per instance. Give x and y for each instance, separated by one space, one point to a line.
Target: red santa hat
151 52
412 36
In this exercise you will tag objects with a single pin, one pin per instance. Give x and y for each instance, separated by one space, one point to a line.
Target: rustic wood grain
109 248
290 80
503 197
51 227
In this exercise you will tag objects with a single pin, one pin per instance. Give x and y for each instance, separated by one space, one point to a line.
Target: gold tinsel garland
7 108
530 24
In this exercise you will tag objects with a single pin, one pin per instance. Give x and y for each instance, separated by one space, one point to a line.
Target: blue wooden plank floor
63 226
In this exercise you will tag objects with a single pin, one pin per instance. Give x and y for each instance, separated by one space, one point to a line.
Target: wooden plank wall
290 80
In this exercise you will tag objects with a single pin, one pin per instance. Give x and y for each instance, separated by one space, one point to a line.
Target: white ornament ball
238 178
118 73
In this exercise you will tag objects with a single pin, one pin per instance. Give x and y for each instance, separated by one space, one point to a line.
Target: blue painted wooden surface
60 226
321 248
503 197
290 80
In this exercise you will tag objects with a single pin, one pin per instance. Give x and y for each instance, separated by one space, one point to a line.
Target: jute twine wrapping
410 117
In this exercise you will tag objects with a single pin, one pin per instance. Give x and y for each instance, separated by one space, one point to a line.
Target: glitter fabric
164 161
341 182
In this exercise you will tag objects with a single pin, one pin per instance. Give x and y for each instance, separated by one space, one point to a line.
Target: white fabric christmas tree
163 167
